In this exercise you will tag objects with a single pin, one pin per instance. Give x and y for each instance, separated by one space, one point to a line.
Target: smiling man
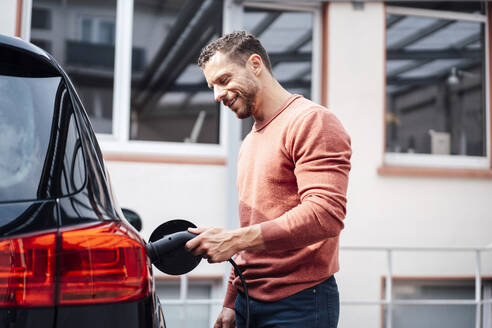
293 171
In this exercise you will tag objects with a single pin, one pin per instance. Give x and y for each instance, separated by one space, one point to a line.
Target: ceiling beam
392 20
421 34
458 45
184 17
187 47
433 54
265 23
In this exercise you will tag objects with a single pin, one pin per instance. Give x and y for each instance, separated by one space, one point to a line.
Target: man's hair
238 45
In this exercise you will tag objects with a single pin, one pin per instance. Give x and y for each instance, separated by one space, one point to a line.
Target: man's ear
255 64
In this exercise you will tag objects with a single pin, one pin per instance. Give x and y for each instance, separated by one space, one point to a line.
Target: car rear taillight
28 270
102 264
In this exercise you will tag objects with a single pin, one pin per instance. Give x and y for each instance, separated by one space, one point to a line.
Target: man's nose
219 93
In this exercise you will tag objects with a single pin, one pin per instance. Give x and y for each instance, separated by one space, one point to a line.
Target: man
292 179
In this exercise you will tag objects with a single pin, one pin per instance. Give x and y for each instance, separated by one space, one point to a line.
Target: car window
41 156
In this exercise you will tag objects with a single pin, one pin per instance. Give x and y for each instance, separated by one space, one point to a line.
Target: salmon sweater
292 181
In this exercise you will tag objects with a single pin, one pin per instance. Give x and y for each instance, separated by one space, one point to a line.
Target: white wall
389 210
162 192
8 14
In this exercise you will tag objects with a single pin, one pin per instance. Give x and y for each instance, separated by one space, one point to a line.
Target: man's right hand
226 319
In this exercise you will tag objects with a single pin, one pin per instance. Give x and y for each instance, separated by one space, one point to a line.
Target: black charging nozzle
166 251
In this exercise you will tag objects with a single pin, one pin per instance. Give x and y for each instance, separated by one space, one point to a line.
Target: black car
68 257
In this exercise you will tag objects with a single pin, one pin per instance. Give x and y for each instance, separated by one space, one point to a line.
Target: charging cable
243 282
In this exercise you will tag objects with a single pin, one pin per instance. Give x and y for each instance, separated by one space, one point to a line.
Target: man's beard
249 102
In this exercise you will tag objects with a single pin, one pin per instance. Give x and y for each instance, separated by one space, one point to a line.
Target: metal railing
388 301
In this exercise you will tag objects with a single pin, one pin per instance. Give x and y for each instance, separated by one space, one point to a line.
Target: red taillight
100 264
27 270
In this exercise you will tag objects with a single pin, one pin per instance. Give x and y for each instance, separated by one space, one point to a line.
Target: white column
122 69
231 129
8 16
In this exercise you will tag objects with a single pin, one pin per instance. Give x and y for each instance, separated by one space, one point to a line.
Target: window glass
170 100
197 316
81 38
106 32
41 19
435 83
39 140
287 36
86 30
73 172
427 316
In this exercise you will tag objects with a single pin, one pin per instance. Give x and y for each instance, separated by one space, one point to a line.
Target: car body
68 257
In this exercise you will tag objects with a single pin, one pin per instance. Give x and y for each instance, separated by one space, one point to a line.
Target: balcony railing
98 55
388 301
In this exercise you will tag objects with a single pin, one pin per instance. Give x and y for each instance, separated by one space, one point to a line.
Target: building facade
409 81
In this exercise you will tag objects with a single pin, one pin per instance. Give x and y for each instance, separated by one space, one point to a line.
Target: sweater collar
258 126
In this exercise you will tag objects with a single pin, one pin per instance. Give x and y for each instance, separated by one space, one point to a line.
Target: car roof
21 46
19 43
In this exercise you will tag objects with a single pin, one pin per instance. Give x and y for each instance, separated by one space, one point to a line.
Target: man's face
233 84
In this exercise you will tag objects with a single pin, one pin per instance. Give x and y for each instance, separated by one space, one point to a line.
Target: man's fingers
197 230
193 243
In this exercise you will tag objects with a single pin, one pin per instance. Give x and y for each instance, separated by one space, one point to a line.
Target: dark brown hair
238 45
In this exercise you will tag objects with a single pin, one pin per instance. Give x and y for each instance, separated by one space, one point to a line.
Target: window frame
183 282
456 280
316 65
447 165
118 145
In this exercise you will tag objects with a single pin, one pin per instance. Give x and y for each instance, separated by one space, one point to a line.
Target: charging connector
168 254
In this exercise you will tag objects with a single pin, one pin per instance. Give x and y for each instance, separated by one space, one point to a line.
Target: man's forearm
249 238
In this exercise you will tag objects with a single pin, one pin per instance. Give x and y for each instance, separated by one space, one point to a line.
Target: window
81 37
162 104
38 134
194 315
97 30
288 38
170 100
427 316
436 85
41 18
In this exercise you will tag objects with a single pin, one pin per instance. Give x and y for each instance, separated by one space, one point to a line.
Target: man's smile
231 102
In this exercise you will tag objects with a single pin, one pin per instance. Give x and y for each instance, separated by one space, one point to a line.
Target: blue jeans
313 307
